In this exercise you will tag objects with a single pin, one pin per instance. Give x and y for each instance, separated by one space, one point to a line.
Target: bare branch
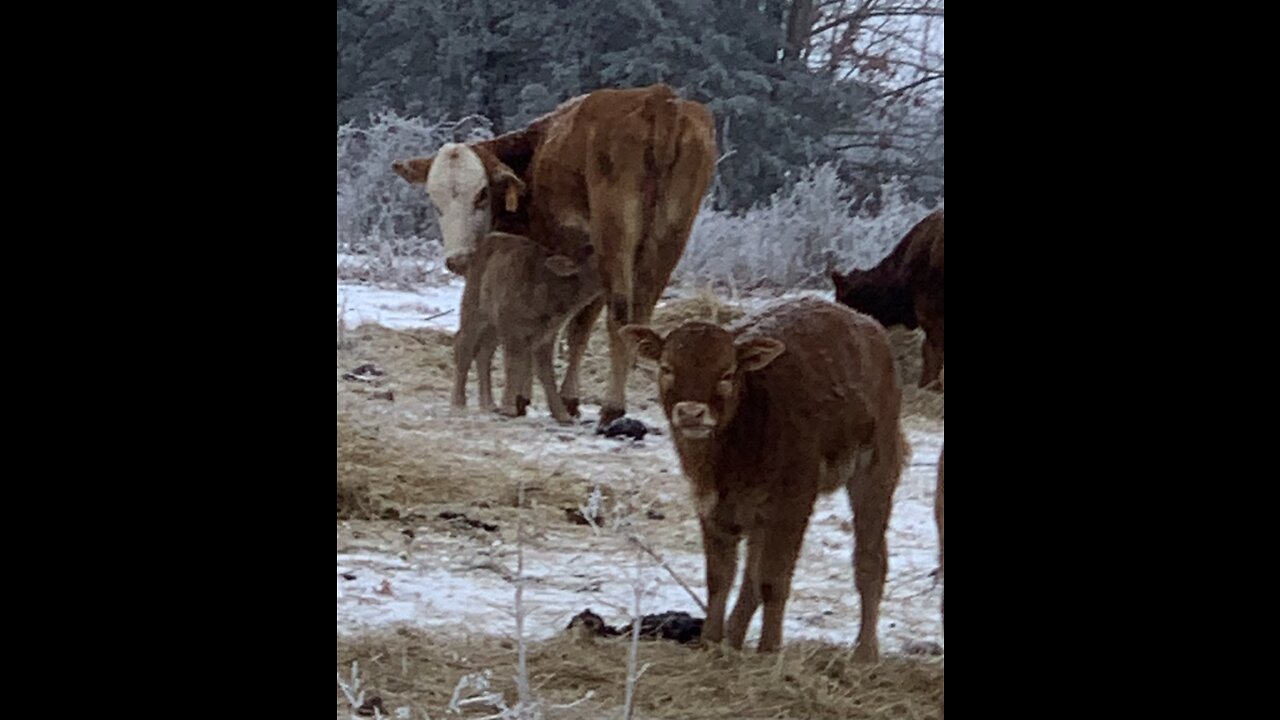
858 17
910 85
640 543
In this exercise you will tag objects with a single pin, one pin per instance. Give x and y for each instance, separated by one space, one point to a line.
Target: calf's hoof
571 404
866 652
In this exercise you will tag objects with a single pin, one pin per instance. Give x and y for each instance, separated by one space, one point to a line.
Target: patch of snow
402 309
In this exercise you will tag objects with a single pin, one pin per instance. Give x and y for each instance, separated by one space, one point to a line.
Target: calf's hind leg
543 364
484 368
465 344
516 360
579 331
871 495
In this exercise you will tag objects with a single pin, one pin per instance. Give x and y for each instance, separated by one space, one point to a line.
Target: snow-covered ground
441 580
401 309
404 309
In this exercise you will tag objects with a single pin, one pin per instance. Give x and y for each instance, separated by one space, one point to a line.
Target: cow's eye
482 197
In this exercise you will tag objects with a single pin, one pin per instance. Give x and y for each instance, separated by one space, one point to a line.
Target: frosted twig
590 694
640 543
354 694
522 671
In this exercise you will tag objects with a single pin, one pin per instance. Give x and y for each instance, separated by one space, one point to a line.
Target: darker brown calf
905 288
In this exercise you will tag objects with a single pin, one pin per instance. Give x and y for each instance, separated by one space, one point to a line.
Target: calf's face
701 370
461 182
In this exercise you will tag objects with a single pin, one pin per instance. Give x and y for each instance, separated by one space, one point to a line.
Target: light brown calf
793 401
518 295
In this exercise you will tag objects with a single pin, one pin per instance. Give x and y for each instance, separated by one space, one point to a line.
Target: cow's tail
663 114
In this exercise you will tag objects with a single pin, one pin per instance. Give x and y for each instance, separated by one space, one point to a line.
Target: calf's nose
690 412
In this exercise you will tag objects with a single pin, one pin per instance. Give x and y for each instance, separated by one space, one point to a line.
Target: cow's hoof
608 414
509 412
522 404
571 404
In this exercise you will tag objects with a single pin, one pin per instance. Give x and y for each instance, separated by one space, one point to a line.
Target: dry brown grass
906 356
407 668
391 466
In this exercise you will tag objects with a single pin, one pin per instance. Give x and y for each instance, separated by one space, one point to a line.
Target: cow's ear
512 186
756 353
415 170
505 180
648 344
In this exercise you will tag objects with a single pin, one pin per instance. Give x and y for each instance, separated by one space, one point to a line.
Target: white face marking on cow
459 188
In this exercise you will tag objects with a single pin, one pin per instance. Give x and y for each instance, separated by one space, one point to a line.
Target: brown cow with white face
793 401
621 170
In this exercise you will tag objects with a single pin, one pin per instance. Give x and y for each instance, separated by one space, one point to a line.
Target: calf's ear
647 343
756 353
562 266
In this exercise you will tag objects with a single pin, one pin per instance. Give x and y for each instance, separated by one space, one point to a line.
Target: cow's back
644 140
924 255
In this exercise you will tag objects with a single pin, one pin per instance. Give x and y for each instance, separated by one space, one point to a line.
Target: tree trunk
799 21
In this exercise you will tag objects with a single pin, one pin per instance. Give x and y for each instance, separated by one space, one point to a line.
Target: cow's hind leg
615 176
930 315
